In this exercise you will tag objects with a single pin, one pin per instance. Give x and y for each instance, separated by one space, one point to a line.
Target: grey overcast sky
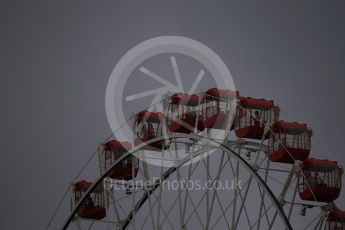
56 58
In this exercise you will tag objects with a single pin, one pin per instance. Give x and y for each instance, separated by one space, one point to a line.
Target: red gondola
149 125
335 220
184 113
320 180
110 153
289 141
217 105
94 205
252 116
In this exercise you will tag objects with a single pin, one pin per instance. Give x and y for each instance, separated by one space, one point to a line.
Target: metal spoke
263 196
146 177
209 212
186 193
293 200
235 196
235 220
227 208
312 221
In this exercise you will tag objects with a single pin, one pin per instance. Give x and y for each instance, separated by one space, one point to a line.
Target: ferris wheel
281 186
178 172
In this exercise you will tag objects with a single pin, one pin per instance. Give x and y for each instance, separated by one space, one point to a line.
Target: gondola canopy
184 114
94 205
320 180
112 151
217 107
150 125
335 220
253 115
289 141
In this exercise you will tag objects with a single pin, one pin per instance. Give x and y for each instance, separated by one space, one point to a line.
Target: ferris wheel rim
216 144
